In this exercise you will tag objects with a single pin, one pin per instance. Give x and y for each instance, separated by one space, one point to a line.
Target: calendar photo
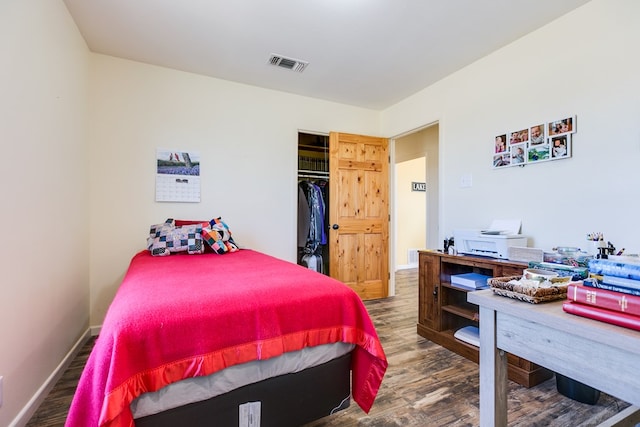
177 176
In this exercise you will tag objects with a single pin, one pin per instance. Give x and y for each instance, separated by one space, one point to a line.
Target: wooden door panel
348 252
348 151
349 198
371 152
359 210
373 253
374 205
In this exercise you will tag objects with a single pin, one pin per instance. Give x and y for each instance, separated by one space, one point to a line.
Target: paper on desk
504 226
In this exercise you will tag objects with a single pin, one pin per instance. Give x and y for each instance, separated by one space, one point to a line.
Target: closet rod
311 175
314 172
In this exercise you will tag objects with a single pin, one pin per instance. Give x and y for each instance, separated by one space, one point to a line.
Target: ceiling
367 53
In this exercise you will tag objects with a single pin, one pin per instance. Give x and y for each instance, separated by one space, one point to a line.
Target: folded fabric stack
532 291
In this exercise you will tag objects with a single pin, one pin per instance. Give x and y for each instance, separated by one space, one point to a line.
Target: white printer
493 242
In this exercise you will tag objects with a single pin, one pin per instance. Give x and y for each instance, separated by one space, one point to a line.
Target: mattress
289 400
201 388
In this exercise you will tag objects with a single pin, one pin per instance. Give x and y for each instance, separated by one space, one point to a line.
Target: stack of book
576 273
470 281
469 334
613 296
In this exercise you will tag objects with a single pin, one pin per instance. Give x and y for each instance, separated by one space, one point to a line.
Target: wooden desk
603 356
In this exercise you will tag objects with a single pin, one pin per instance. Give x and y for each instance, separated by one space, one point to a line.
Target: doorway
421 143
415 153
313 201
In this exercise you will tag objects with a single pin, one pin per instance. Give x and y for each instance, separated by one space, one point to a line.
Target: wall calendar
177 176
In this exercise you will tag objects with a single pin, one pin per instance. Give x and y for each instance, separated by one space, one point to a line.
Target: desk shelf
443 308
464 312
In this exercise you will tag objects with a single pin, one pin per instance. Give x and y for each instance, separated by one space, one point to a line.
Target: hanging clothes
323 189
316 217
303 218
312 225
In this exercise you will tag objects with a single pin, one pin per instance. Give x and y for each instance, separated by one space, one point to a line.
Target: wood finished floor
425 384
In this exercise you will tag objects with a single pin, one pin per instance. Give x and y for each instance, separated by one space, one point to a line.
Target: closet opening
313 201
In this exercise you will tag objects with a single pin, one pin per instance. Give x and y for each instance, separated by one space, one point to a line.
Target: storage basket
502 287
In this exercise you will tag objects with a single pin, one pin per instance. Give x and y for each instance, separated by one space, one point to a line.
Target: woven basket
502 287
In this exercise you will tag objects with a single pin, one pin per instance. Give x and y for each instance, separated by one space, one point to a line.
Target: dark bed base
287 400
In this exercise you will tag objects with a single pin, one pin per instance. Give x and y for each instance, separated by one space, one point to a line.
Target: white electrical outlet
250 414
1 391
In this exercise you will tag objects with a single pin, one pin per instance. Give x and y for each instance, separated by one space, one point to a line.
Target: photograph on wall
502 160
518 154
538 153
534 144
177 176
537 135
501 143
560 146
563 126
519 136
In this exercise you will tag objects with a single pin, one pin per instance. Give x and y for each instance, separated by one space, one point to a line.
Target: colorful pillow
182 222
218 236
166 238
156 230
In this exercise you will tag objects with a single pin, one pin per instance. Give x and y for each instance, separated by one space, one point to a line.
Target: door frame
392 197
432 231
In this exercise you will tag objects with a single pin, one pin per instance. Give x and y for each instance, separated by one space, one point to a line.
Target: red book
614 317
611 300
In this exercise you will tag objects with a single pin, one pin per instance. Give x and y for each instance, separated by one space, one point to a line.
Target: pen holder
597 246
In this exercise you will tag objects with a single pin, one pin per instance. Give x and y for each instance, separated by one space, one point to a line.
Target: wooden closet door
359 213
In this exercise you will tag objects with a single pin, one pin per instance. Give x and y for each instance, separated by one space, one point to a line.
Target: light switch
466 180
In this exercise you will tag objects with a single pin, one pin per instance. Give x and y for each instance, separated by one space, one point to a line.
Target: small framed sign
418 186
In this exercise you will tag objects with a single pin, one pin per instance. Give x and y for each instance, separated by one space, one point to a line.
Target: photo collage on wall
538 143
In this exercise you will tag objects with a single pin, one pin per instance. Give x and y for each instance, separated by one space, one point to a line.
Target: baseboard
406 266
95 330
31 407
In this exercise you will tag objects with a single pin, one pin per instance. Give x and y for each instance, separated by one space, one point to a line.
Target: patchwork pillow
168 239
156 230
182 222
218 236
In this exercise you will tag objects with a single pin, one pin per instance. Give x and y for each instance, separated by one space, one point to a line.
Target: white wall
248 142
583 64
44 296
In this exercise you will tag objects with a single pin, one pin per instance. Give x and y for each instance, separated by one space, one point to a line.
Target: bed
181 319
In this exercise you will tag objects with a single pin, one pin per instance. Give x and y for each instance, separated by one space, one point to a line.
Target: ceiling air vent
288 63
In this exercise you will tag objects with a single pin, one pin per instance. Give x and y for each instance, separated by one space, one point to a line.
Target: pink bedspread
183 316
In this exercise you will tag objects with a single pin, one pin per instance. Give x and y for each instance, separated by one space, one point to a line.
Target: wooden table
603 356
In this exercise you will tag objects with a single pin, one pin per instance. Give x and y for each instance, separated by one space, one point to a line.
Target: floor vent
412 256
288 63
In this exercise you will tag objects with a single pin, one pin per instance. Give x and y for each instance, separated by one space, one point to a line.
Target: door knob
335 226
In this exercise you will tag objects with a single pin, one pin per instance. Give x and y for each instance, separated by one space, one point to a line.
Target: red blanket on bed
183 316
